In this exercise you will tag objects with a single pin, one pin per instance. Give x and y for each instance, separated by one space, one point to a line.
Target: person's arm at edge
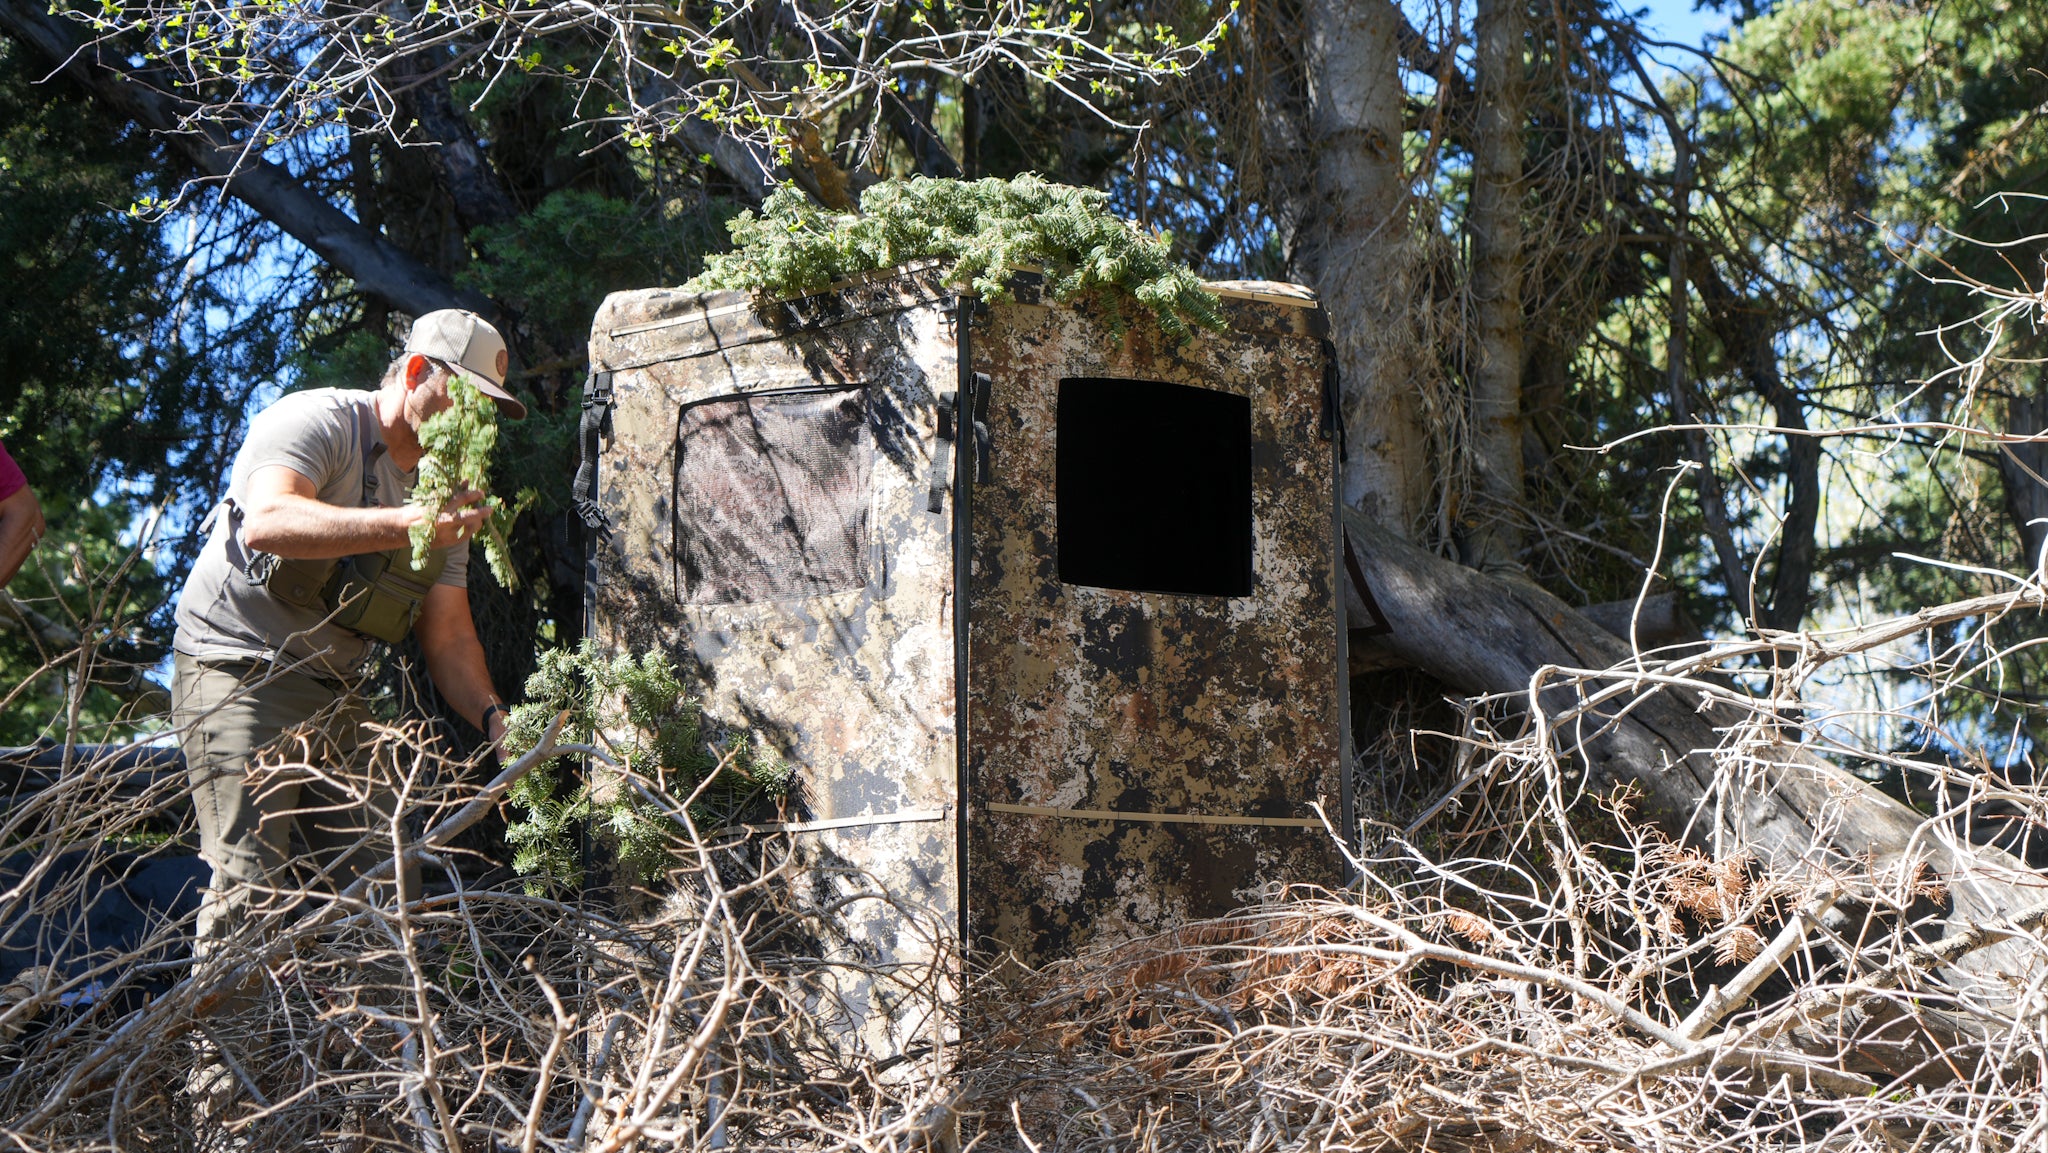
283 515
21 525
455 658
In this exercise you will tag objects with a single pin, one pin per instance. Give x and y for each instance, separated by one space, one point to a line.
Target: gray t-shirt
319 435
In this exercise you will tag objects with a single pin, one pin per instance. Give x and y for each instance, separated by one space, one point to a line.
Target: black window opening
770 497
1153 487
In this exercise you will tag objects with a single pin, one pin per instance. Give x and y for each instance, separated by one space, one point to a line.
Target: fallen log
1709 771
1655 621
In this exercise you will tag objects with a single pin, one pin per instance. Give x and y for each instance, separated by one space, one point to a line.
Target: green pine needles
457 443
640 712
986 229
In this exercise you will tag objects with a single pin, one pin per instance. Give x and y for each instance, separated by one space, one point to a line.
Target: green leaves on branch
986 230
639 711
457 443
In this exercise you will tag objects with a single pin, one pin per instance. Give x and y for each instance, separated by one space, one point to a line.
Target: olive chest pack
1044 609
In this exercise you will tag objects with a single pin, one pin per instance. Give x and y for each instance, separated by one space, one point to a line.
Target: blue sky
1676 20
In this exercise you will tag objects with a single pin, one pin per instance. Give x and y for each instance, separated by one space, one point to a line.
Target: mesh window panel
771 497
1154 487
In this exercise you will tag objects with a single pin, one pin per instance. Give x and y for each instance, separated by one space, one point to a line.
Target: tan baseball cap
462 338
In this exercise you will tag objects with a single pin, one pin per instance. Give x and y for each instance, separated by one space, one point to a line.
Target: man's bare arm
455 659
283 515
21 525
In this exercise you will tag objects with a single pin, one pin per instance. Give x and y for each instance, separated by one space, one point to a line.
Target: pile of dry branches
1519 964
1531 970
478 1016
1633 994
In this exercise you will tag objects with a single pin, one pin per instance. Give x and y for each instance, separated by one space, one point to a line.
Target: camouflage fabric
733 550
785 484
1149 705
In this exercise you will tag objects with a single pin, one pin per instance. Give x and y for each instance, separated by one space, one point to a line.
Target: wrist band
484 722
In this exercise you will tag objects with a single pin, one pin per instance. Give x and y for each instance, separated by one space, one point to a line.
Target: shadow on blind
770 497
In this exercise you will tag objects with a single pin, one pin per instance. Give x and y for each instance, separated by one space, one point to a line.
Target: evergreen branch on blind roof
986 229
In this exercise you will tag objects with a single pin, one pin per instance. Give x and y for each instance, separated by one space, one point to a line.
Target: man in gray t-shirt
325 436
323 475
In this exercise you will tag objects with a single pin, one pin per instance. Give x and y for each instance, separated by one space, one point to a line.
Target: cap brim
508 405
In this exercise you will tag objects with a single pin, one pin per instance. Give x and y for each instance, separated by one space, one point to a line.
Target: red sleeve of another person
11 480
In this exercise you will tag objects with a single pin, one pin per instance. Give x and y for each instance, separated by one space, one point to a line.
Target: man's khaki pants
255 792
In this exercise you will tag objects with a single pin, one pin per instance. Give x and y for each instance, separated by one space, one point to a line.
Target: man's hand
283 515
460 520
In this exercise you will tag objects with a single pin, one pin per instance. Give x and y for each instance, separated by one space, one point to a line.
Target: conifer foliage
639 710
985 229
458 442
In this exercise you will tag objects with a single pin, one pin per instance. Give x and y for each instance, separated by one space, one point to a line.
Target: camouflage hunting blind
1044 613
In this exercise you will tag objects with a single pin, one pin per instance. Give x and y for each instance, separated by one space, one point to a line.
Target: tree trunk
1494 355
1747 328
1798 549
1713 496
746 164
1356 247
2023 467
474 186
1487 634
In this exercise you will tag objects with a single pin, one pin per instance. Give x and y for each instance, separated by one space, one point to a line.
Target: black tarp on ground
85 909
